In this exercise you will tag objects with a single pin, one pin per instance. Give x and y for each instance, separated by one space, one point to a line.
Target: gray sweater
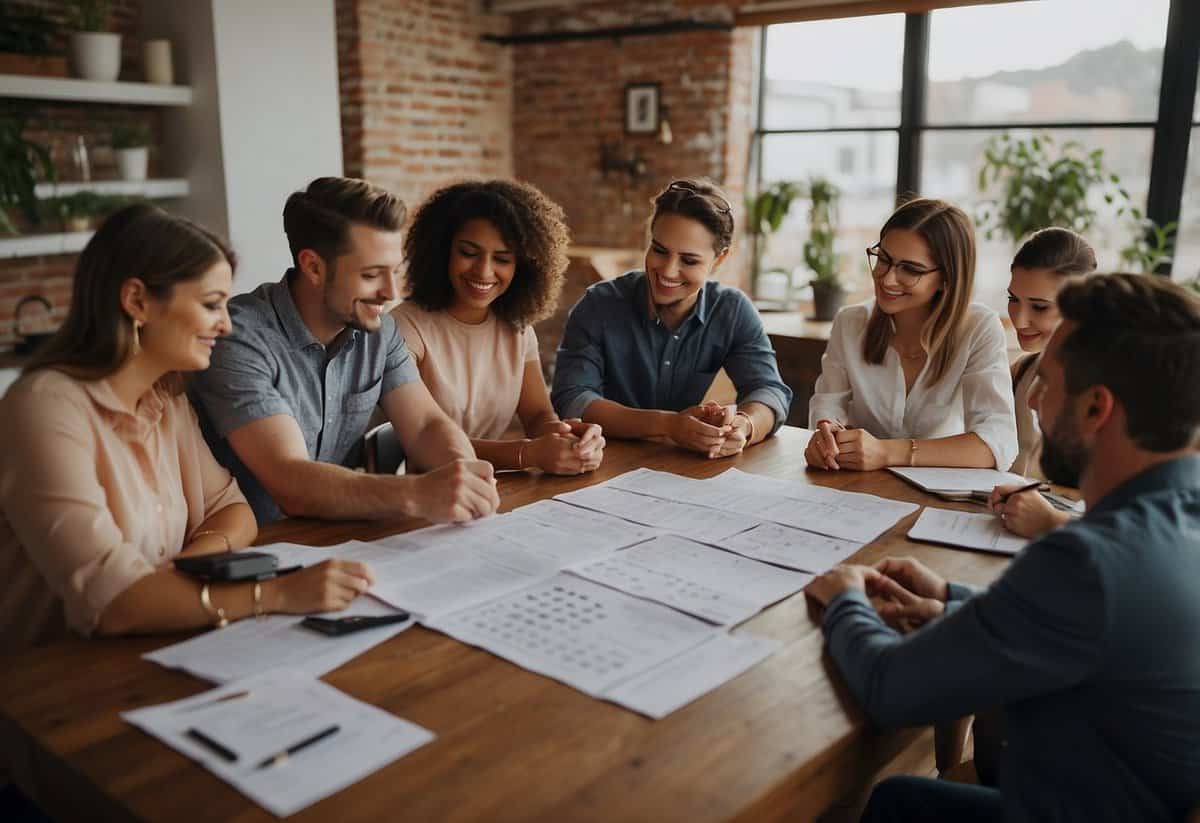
1090 641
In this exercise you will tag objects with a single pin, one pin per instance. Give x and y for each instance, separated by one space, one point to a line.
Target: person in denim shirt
639 352
290 393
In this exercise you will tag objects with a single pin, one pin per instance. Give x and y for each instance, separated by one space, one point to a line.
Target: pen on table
1004 497
213 702
212 745
281 757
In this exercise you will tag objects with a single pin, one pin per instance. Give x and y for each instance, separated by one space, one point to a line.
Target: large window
833 104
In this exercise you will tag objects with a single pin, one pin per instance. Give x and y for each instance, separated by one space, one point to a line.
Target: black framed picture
641 108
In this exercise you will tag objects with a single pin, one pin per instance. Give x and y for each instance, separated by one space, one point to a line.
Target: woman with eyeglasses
639 352
919 376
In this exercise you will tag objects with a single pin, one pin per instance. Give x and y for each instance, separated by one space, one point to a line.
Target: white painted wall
265 121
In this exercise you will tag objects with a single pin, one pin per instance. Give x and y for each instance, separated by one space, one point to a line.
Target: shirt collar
699 310
135 424
290 321
1182 473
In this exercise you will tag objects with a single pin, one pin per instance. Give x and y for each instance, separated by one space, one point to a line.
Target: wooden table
781 742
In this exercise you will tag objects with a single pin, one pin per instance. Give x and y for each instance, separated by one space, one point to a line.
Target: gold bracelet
521 454
912 451
749 422
222 535
218 614
258 609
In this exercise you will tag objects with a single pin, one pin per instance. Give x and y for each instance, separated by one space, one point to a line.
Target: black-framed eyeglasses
721 203
907 274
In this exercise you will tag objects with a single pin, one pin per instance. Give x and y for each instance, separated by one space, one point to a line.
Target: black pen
282 757
212 745
1004 497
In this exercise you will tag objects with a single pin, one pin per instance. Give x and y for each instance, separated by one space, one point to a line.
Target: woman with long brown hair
106 477
919 376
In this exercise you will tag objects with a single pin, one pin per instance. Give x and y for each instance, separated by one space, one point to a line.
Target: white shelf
150 189
88 91
32 245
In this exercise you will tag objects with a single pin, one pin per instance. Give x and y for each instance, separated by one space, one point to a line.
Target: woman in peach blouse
106 478
485 262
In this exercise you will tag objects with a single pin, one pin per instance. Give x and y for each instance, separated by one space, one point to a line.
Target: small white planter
132 163
96 55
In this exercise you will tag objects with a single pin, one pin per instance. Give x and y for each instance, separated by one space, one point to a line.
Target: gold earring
137 342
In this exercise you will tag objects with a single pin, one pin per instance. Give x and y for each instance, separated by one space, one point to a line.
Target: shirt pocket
356 413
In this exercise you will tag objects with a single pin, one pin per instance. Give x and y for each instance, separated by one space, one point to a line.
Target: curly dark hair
531 225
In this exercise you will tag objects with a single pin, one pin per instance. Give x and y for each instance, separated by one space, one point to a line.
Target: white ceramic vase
96 55
132 163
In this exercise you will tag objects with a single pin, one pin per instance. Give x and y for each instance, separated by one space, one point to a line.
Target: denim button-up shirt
273 365
615 348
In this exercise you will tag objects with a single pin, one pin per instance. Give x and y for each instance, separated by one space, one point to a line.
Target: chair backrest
382 453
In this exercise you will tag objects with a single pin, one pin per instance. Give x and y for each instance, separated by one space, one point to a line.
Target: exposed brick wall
569 100
425 102
56 126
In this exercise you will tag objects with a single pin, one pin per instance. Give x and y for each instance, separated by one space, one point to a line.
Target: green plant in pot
82 210
766 214
131 147
819 253
20 162
96 53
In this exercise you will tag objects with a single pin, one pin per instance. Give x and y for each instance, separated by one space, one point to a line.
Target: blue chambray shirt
273 365
614 348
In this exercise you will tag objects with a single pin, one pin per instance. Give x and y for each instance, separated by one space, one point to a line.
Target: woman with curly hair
485 262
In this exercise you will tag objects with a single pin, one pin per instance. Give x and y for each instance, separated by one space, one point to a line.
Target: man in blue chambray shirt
288 396
639 352
1089 641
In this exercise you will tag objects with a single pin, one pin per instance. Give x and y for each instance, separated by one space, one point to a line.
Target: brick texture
425 101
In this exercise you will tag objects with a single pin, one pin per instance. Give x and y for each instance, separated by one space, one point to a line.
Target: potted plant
20 161
96 53
26 44
766 213
131 146
83 209
819 253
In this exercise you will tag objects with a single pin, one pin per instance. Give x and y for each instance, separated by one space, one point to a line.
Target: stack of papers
282 739
984 532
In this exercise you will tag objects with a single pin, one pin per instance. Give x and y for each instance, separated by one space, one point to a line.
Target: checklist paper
252 720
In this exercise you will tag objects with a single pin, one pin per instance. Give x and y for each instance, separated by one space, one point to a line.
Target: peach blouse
94 497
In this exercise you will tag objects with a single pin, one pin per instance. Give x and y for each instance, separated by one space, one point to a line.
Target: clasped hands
908 593
710 429
833 446
566 447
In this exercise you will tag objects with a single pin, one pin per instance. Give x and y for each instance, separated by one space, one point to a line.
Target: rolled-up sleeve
239 386
58 509
752 366
987 395
832 391
579 363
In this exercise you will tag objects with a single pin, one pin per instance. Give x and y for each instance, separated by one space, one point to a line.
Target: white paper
581 633
715 585
698 522
697 671
282 708
981 481
967 530
249 647
847 515
793 548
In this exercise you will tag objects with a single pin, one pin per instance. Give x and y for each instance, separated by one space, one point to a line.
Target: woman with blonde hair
106 477
918 376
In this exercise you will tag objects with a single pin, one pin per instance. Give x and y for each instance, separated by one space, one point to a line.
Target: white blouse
974 395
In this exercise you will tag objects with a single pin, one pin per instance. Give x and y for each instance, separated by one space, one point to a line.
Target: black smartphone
334 626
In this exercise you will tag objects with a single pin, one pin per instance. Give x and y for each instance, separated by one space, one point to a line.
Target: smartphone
335 626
